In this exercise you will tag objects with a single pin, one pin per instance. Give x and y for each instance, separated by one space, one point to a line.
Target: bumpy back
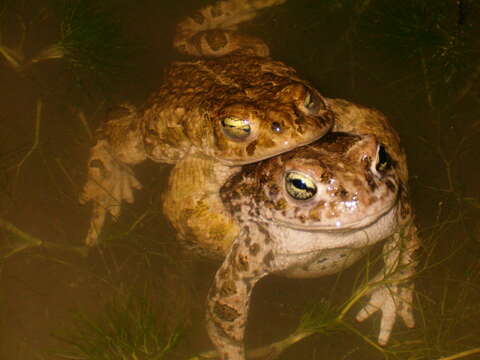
210 32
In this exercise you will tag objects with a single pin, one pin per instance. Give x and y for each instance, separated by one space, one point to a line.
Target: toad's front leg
394 295
229 297
110 180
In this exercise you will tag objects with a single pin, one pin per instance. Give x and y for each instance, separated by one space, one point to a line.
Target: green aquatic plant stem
270 351
30 241
36 139
54 51
83 120
303 331
13 58
469 84
462 354
128 328
426 80
310 325
359 294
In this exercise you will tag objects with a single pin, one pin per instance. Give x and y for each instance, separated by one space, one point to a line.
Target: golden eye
235 128
384 162
300 186
312 103
308 100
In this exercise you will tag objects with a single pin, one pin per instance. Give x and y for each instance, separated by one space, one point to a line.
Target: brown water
41 288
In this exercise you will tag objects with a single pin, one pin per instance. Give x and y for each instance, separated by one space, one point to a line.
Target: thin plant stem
36 139
428 87
23 36
366 339
274 350
65 172
270 351
83 120
29 239
472 80
138 221
349 30
13 58
352 301
461 354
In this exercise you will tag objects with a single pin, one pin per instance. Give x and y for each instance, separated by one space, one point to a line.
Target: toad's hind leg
211 31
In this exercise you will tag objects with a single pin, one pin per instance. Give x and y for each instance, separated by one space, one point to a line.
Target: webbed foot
109 183
391 301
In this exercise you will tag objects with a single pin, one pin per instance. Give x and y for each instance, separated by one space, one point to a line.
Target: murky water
330 43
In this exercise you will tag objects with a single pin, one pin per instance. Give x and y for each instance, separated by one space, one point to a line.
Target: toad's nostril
276 127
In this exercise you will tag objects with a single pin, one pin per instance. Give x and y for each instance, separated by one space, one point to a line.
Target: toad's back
267 106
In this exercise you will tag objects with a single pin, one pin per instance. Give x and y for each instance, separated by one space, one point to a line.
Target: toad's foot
109 183
391 300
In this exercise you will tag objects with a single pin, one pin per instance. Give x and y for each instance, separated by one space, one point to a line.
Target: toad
234 105
309 212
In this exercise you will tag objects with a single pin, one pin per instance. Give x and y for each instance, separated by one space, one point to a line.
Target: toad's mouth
339 226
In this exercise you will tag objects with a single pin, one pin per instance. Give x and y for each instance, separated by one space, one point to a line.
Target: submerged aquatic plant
91 39
128 328
444 326
438 37
406 28
13 56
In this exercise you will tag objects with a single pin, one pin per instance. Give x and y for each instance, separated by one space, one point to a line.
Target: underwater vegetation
416 60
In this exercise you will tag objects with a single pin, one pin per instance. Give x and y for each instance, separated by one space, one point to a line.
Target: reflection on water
415 62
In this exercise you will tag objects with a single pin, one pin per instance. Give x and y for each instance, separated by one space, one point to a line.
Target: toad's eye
235 128
312 103
384 162
300 186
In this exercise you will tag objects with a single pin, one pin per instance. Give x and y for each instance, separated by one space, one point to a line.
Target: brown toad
237 107
310 212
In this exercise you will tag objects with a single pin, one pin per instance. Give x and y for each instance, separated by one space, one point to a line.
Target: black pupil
276 127
299 184
246 130
383 159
